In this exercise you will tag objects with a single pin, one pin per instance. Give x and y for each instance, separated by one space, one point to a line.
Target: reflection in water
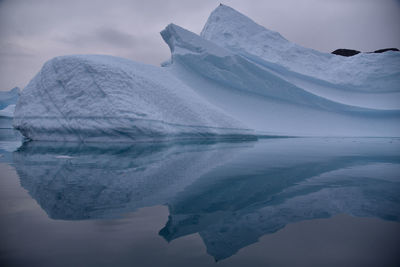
75 182
229 193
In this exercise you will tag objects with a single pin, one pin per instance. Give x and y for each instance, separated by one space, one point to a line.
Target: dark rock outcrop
385 50
346 52
350 52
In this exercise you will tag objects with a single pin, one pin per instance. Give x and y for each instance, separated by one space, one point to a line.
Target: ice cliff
235 76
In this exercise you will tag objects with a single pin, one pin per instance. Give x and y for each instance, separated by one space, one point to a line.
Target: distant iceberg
9 97
8 111
235 80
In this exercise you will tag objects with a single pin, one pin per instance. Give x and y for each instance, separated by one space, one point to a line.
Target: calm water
275 202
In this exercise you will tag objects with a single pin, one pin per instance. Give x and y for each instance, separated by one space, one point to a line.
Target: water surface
278 202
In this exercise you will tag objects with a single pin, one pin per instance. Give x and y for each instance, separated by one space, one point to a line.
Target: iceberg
6 118
9 97
8 111
236 79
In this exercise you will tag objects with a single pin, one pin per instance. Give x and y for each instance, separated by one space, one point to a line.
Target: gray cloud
33 31
13 50
101 36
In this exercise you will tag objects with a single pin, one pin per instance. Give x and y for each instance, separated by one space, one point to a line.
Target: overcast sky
34 31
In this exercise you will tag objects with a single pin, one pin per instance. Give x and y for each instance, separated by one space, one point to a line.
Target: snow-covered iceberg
236 79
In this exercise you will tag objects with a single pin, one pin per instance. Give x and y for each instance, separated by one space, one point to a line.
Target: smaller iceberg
8 111
9 97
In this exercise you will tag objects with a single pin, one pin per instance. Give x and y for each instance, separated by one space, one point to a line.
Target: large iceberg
236 79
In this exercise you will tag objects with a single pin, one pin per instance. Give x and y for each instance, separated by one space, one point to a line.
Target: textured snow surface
366 72
91 98
235 76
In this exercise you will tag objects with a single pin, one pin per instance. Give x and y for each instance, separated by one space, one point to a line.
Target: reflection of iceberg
282 182
74 182
229 200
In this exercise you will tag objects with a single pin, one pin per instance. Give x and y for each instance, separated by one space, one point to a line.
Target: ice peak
177 37
182 41
226 20
15 90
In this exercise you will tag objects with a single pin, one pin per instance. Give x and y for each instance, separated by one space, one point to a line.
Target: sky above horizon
34 31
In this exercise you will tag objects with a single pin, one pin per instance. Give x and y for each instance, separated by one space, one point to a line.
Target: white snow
235 76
